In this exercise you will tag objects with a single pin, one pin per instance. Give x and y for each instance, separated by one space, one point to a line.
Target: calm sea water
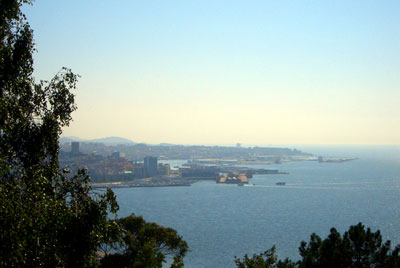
221 221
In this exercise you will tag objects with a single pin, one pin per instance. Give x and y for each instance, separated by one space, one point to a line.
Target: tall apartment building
75 147
150 166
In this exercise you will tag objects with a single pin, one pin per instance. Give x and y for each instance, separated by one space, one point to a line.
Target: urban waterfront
221 221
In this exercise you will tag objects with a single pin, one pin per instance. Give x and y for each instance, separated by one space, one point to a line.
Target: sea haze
221 221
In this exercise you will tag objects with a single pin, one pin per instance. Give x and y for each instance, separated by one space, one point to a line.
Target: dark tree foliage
357 248
268 259
144 244
50 218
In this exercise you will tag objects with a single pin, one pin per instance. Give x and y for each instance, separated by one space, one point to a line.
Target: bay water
222 221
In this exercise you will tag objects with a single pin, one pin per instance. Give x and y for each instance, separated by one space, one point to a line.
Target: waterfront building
138 171
164 169
150 166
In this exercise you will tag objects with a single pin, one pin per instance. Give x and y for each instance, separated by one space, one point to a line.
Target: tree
145 245
357 248
50 218
267 259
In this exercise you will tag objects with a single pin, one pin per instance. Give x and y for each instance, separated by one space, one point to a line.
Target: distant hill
106 141
112 141
69 139
166 144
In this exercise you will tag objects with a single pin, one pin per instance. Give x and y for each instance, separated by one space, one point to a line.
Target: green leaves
263 260
49 218
143 244
357 248
268 259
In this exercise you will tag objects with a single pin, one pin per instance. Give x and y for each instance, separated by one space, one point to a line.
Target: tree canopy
356 248
145 245
50 218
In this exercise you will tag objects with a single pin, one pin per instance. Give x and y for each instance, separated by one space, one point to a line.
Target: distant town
137 165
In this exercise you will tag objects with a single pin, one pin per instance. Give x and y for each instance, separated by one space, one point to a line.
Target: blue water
221 221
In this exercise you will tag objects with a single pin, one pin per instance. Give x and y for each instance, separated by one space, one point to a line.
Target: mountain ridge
113 140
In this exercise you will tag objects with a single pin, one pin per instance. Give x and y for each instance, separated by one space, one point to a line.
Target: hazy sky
221 72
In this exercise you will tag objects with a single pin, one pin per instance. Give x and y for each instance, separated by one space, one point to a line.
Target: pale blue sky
220 72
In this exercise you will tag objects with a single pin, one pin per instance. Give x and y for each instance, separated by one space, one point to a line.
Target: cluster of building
150 168
169 151
219 174
116 168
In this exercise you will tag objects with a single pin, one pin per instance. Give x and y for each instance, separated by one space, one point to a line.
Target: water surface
221 221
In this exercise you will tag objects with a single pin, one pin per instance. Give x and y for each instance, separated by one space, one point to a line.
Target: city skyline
222 72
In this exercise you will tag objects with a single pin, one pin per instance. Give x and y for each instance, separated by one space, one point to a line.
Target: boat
240 184
281 183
